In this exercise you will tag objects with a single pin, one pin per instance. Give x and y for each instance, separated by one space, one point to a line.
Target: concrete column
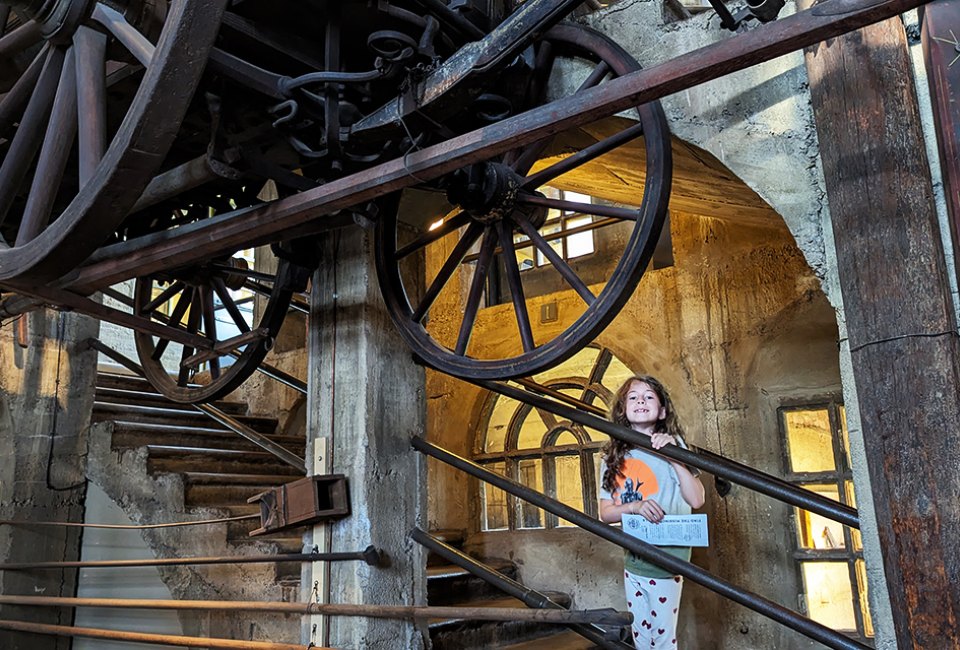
46 395
365 401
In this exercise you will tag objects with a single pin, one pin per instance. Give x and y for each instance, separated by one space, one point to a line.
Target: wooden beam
229 232
900 323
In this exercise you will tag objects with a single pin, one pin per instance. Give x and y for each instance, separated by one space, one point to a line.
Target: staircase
219 469
449 585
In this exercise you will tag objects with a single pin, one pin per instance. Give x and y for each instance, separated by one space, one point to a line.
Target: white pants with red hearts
654 603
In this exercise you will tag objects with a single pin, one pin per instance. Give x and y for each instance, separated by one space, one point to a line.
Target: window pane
596 436
810 441
842 416
531 431
580 243
579 365
494 501
569 484
576 197
555 243
531 475
525 258
566 438
855 536
616 374
864 600
816 531
829 594
503 409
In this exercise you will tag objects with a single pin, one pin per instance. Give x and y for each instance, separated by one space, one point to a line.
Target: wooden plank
899 319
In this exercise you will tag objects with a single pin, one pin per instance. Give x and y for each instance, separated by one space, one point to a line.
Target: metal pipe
142 637
279 375
606 616
757 603
365 556
530 597
717 465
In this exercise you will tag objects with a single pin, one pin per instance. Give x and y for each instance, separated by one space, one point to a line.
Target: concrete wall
46 392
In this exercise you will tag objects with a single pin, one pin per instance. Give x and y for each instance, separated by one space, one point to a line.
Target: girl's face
643 407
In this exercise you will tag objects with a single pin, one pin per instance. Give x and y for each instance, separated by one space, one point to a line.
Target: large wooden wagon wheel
95 94
204 301
497 206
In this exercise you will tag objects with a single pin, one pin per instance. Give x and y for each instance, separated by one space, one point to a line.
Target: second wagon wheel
94 94
507 217
214 302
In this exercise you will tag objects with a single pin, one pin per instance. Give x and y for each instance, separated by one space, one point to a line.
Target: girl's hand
659 440
649 509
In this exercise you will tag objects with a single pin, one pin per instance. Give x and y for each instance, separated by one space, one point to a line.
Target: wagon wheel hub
487 191
58 19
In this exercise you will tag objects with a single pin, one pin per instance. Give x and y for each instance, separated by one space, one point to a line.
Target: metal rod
757 603
142 637
530 597
598 616
717 465
191 561
279 375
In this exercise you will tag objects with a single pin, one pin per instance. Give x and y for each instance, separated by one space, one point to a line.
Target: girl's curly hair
615 451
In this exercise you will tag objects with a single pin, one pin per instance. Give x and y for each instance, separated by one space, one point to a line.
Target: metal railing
757 603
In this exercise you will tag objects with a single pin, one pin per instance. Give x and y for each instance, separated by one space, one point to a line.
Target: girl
635 481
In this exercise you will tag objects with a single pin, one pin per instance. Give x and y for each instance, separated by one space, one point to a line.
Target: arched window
557 457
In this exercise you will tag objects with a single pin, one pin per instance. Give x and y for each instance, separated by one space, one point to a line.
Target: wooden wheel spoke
25 143
446 271
558 262
53 155
135 42
179 309
4 15
578 207
516 285
596 75
193 326
19 39
162 297
210 325
544 176
476 290
91 49
448 226
230 305
14 101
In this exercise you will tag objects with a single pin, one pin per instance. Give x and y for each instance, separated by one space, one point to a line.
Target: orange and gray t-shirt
647 476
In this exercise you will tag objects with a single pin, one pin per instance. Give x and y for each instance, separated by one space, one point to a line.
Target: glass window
516 437
809 440
495 502
531 475
830 555
569 484
828 594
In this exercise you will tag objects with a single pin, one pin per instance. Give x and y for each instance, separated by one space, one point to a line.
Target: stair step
125 382
448 584
171 458
122 396
219 496
220 478
139 434
447 634
106 412
560 641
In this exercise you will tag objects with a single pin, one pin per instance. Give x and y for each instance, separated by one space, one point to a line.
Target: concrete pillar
365 401
46 395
